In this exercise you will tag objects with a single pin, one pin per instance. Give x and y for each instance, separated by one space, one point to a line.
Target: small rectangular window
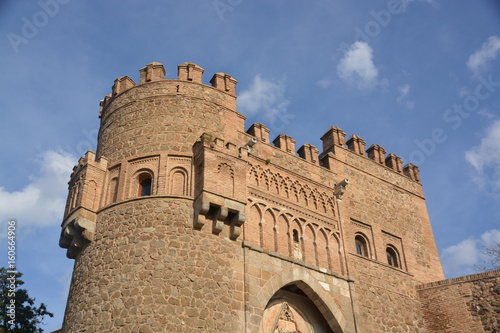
145 187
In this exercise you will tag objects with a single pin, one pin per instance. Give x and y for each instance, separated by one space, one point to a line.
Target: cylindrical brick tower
139 267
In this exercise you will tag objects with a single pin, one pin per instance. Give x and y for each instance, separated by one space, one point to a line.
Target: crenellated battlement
334 139
121 84
88 160
186 72
334 145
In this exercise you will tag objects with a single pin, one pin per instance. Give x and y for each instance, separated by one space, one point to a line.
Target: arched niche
178 181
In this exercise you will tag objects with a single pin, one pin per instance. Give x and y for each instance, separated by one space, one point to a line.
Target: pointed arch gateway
303 305
290 310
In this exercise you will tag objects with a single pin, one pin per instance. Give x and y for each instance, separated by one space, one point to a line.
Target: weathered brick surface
386 297
391 205
466 304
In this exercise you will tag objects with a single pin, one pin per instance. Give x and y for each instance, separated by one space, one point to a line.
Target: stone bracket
75 234
199 214
339 189
235 226
219 218
221 211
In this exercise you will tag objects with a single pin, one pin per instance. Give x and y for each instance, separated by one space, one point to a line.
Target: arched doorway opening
290 310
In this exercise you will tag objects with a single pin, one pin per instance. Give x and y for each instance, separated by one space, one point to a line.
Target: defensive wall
465 304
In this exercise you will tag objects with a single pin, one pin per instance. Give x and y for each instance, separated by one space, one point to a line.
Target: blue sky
419 78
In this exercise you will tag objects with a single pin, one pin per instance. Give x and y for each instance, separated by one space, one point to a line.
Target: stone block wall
148 271
467 304
267 271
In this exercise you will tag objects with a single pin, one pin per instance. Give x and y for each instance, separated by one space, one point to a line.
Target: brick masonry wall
393 212
389 204
386 297
467 304
387 207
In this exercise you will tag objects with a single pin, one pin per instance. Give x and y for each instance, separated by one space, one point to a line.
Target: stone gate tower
183 221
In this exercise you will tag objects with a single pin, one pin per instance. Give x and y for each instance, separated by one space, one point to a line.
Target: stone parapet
224 82
356 144
309 153
334 136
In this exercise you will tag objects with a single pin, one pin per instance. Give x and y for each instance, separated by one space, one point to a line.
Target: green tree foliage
18 312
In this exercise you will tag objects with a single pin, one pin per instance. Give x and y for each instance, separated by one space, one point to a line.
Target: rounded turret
160 115
128 223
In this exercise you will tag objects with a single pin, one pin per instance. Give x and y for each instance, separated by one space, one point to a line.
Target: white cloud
490 237
357 66
464 91
404 90
460 259
488 52
486 113
267 98
42 201
485 158
324 83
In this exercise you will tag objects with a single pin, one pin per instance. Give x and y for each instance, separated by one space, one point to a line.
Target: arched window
361 246
392 257
295 236
144 185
